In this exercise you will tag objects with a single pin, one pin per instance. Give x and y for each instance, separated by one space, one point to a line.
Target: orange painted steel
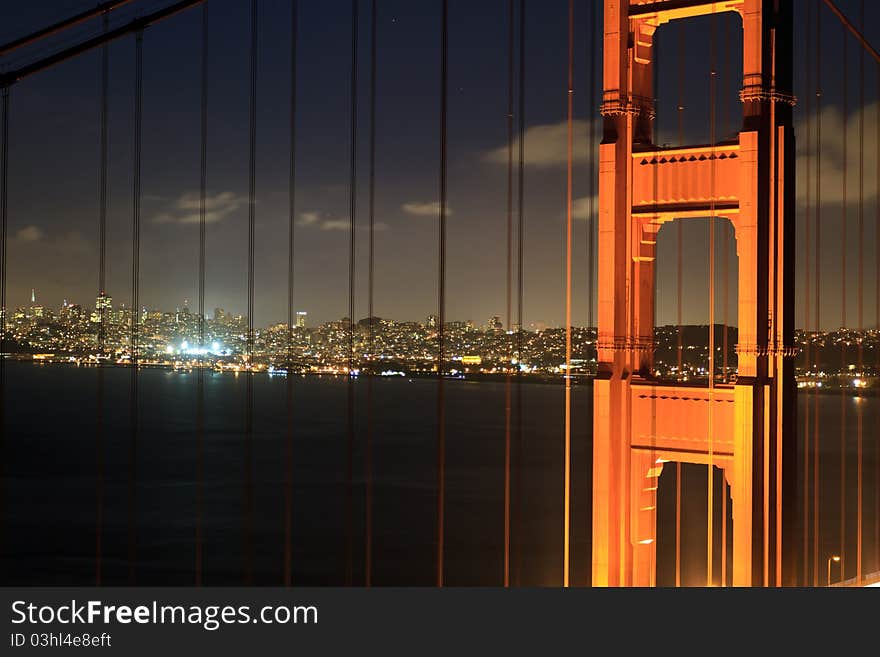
642 187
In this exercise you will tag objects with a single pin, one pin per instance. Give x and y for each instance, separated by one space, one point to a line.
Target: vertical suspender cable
352 212
200 374
861 292
678 285
441 294
591 217
843 291
102 316
877 327
520 241
249 379
4 195
291 223
134 402
368 460
725 81
509 291
807 292
711 468
725 275
679 226
816 268
655 96
566 548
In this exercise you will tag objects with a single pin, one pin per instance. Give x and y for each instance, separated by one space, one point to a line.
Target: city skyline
53 226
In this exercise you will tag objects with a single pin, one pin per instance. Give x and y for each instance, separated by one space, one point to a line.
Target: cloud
580 207
832 154
52 246
424 208
316 220
29 234
186 209
546 145
335 224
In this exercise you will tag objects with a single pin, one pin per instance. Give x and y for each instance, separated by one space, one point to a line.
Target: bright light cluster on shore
185 349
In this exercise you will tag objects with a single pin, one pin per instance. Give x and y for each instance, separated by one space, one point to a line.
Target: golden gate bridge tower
745 428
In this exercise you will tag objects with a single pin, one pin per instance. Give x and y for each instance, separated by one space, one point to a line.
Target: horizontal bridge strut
667 10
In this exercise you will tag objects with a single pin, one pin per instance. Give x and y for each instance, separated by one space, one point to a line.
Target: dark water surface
53 472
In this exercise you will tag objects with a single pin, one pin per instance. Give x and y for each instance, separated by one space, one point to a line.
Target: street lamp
836 559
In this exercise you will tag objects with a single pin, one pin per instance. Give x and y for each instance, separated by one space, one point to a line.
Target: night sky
54 159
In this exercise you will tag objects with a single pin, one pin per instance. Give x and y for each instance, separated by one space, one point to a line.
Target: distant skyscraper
36 310
103 306
301 318
495 323
432 321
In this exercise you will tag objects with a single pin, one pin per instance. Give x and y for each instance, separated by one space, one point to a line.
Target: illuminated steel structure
746 428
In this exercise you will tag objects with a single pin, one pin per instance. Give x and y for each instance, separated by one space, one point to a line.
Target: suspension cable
725 377
252 203
441 294
368 461
509 292
711 467
4 195
566 560
591 221
877 327
861 293
291 223
134 402
352 210
679 225
847 24
102 9
843 291
518 509
200 374
817 273
807 292
134 26
678 305
102 314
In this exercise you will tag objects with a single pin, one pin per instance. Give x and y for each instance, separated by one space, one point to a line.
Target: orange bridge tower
745 429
